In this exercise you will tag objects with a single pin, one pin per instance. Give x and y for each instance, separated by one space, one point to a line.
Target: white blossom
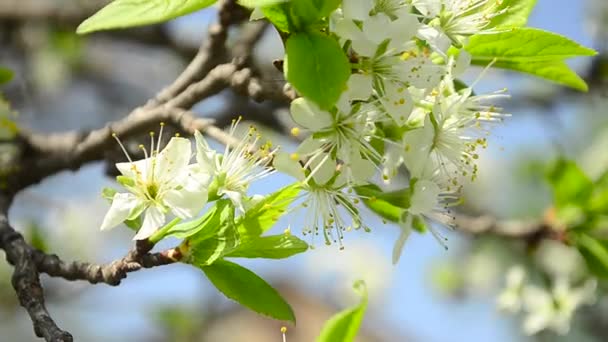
158 184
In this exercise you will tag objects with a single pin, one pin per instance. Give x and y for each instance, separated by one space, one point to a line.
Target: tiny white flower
429 202
458 19
330 209
237 168
554 310
157 184
341 135
510 299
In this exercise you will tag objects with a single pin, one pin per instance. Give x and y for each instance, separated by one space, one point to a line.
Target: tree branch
25 279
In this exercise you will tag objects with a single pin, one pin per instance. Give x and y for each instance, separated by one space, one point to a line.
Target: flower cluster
166 180
550 309
402 108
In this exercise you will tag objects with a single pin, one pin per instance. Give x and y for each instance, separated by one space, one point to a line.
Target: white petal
283 163
236 198
424 198
205 156
397 102
257 14
172 161
323 168
403 29
307 114
359 86
153 220
122 204
186 202
376 27
406 230
309 146
356 9
361 169
462 63
136 169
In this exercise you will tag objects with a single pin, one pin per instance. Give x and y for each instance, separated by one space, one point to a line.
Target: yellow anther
177 135
294 157
287 231
295 131
283 330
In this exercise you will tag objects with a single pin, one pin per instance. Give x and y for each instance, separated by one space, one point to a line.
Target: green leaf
516 14
598 202
344 326
208 245
209 223
130 13
5 75
303 13
270 247
555 71
278 16
524 45
265 213
569 183
317 67
248 289
595 253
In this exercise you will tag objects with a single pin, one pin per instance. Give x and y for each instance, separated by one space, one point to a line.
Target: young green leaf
208 245
278 15
209 223
130 13
569 183
524 45
556 71
344 326
595 253
270 247
317 67
248 289
259 3
516 13
265 213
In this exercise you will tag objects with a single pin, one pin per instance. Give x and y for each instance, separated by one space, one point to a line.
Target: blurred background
67 82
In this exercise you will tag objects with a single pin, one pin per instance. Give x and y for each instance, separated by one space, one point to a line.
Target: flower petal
172 161
188 201
357 9
307 114
153 220
283 163
406 230
205 156
397 102
122 204
323 168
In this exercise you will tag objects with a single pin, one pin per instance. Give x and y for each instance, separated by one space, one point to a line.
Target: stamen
124 150
160 135
283 331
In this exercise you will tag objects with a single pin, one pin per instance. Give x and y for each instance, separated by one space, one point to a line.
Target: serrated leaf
524 45
270 247
317 67
516 14
278 15
5 75
209 223
265 213
344 326
130 13
555 71
248 289
595 253
217 238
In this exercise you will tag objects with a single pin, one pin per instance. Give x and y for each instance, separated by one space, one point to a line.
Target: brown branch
111 273
26 281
